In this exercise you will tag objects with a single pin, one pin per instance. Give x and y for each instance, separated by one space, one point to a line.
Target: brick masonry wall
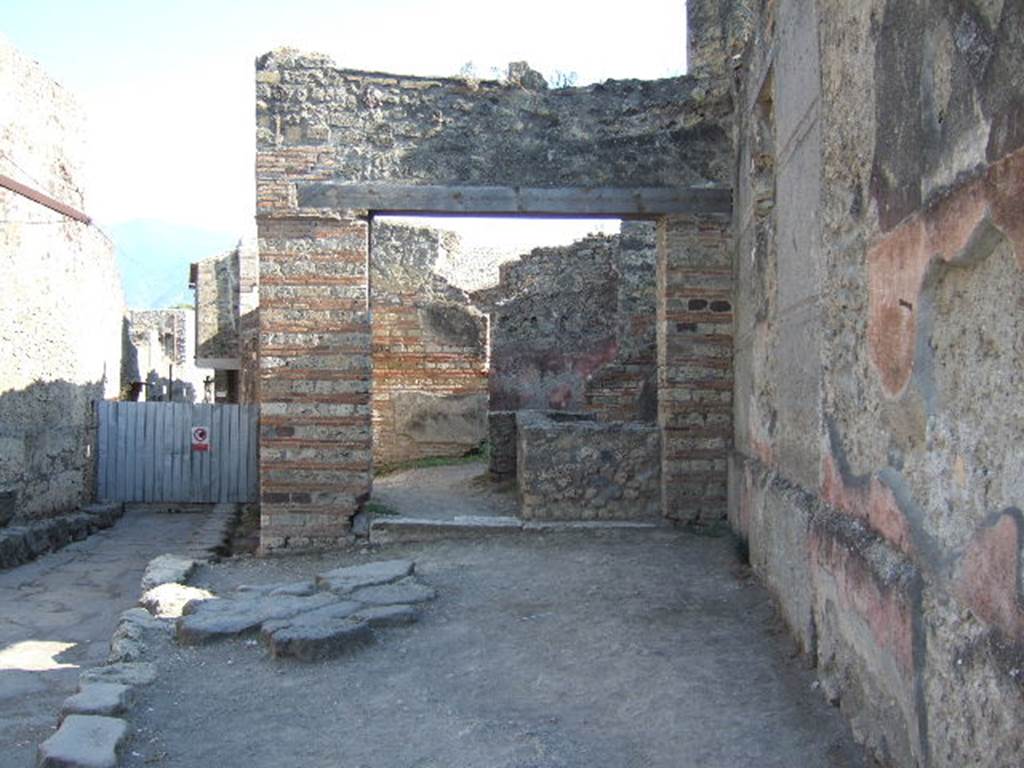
878 400
315 373
60 320
318 123
695 319
429 350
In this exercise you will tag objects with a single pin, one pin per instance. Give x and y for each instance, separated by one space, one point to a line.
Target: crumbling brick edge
20 544
129 664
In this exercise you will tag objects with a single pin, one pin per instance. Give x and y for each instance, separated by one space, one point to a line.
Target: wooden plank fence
145 452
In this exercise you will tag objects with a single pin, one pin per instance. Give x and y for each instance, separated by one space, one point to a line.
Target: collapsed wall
879 404
60 321
429 350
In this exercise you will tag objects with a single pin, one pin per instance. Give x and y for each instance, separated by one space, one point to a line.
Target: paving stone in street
84 741
380 616
216 619
167 568
315 640
98 699
344 580
131 673
405 591
167 600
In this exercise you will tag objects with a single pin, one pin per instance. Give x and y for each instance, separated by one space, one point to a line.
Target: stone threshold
395 530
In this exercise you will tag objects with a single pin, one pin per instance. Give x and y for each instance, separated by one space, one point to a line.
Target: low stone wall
585 470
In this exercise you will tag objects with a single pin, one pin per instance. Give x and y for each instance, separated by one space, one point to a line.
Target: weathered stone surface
380 616
167 569
216 619
344 580
410 529
169 599
54 366
125 673
297 588
84 741
106 699
501 430
586 470
128 642
315 640
404 591
340 610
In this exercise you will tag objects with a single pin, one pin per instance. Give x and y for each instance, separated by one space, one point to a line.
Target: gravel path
445 492
57 615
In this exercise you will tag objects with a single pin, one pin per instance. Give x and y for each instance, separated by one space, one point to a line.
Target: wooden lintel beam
43 199
572 202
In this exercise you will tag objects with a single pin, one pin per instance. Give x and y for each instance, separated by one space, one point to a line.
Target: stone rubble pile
312 620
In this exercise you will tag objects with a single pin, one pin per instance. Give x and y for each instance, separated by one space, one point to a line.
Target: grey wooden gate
145 452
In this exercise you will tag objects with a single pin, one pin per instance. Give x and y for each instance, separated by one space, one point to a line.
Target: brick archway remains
336 146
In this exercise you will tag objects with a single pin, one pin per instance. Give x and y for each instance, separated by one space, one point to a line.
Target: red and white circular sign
200 439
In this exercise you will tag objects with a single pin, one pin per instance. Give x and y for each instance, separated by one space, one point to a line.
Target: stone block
107 699
84 741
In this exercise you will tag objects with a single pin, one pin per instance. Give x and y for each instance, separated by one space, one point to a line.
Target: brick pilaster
695 339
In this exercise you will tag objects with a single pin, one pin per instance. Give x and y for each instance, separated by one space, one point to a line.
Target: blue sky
168 86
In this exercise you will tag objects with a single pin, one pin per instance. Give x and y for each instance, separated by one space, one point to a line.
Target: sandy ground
590 649
57 614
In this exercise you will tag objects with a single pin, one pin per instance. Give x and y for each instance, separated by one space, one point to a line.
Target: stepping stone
316 640
133 673
216 619
380 616
405 591
341 610
169 599
342 580
295 588
98 699
84 741
167 568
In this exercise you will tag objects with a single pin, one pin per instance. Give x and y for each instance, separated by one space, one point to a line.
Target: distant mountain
155 255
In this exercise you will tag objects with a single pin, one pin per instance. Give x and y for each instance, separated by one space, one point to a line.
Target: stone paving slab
350 603
342 580
84 741
60 610
98 699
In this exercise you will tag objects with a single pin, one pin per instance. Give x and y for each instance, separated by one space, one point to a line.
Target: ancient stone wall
429 350
878 403
226 301
316 123
572 327
159 357
60 320
585 470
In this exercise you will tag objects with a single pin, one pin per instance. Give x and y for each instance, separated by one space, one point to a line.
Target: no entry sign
200 439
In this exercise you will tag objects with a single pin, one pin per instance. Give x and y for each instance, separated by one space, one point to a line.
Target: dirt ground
445 492
607 649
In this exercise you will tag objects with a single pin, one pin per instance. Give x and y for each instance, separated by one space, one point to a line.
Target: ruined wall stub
324 133
60 318
878 399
